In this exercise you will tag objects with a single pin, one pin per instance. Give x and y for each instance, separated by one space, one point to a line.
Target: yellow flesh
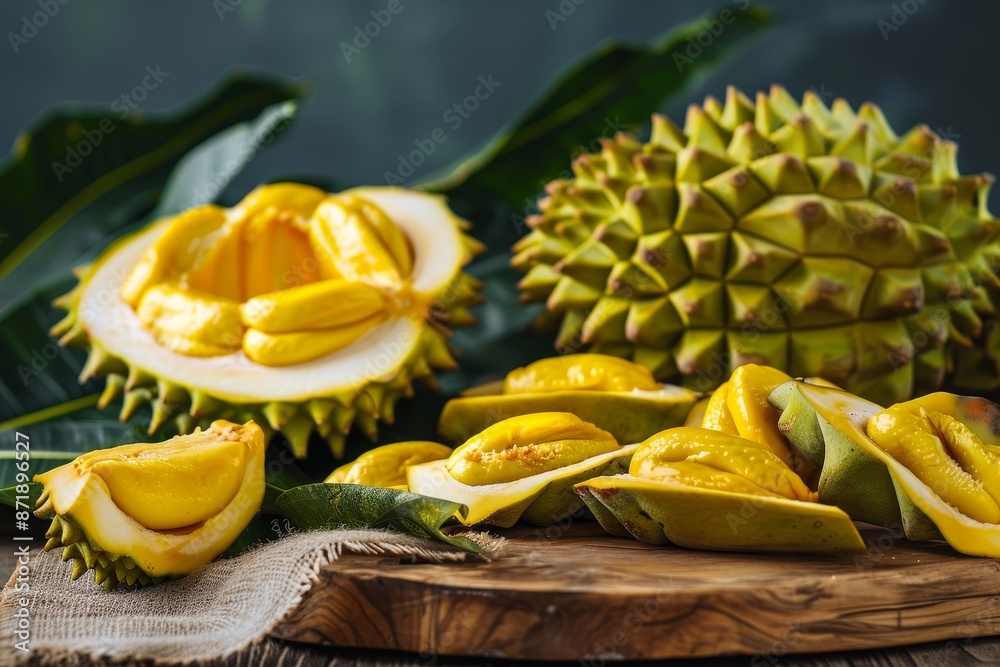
171 506
527 445
322 305
167 488
716 460
194 323
386 466
288 276
594 372
348 244
945 455
286 349
740 407
717 415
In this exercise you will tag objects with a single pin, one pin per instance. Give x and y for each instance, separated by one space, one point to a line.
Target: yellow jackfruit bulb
323 305
298 347
386 465
596 372
350 242
193 323
527 445
944 454
716 460
179 248
137 514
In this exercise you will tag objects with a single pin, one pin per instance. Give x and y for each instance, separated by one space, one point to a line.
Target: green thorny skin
800 236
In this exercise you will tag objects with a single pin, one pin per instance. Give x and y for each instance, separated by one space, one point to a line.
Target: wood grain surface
573 593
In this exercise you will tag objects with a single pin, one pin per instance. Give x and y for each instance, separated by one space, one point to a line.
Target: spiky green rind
805 237
331 416
110 570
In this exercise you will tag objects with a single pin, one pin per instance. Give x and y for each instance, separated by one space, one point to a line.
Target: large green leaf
329 506
614 89
100 169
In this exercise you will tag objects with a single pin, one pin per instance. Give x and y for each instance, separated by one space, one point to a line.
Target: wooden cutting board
574 593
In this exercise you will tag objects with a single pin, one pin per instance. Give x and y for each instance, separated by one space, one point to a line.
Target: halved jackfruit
137 514
296 308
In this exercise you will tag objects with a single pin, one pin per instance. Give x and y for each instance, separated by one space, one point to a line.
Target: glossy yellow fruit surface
386 465
591 372
945 455
139 513
619 396
523 446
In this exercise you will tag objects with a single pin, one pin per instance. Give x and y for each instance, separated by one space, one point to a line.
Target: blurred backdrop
922 60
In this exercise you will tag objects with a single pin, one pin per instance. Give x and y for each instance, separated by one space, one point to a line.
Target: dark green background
938 68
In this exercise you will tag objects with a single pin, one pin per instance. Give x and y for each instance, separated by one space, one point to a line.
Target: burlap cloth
213 613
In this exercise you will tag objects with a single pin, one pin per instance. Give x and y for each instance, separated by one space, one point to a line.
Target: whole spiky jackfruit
803 237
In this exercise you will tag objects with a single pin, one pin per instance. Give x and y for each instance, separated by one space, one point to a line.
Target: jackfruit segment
707 489
616 395
355 239
323 305
944 454
581 372
659 512
870 481
718 416
525 446
299 347
740 407
386 466
191 322
138 513
169 488
181 245
703 457
539 499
